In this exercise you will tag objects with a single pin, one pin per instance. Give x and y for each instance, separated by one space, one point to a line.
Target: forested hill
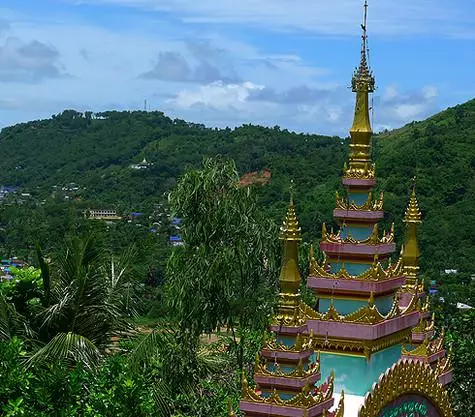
96 152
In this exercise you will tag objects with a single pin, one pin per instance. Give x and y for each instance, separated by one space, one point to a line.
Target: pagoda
370 308
371 319
287 370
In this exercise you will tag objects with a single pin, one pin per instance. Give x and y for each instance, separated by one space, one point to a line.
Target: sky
229 62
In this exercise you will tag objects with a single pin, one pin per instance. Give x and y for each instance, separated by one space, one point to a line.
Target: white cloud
28 62
394 107
218 96
105 65
388 17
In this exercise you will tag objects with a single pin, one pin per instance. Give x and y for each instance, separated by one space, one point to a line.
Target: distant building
101 214
463 306
175 241
141 165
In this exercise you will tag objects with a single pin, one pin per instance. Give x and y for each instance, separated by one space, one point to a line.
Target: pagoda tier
431 351
370 211
377 279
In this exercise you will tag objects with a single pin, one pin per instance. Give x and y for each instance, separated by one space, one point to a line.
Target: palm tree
87 301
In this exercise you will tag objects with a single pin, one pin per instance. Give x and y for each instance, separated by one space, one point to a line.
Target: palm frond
158 341
161 396
210 360
67 347
4 319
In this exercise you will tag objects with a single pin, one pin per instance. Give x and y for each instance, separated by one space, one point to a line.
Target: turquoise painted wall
349 306
286 340
384 304
356 232
358 198
342 306
356 375
353 269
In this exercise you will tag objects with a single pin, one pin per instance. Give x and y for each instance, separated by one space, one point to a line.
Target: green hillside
95 152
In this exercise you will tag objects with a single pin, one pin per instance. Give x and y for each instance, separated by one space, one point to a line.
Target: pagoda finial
290 229
363 79
362 83
413 214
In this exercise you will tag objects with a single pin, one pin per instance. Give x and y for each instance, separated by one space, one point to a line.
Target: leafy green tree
225 273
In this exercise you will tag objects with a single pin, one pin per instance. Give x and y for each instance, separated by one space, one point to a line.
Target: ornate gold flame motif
406 377
306 398
300 371
373 239
377 272
427 347
369 205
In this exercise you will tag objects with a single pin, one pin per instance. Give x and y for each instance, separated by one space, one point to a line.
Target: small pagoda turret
410 249
287 370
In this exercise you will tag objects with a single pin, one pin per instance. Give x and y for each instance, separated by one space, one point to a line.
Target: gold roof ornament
371 204
367 314
305 399
413 214
377 272
299 372
406 377
359 164
340 411
363 79
373 239
290 229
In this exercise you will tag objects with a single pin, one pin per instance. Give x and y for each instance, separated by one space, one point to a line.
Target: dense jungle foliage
108 324
95 153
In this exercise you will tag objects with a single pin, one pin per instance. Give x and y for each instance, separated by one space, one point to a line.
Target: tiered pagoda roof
369 313
287 370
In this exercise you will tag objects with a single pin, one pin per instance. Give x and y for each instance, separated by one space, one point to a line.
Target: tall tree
225 273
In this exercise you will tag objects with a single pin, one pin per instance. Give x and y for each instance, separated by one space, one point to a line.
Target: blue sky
227 62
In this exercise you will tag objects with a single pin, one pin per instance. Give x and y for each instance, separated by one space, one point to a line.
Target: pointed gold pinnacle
290 229
363 79
413 214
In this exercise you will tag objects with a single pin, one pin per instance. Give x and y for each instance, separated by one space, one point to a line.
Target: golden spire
362 84
290 234
413 214
289 297
290 229
410 251
363 79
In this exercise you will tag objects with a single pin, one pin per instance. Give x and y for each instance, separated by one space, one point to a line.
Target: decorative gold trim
376 272
353 347
373 239
368 314
427 347
302 343
307 398
424 326
406 377
340 411
368 172
299 372
369 205
444 365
